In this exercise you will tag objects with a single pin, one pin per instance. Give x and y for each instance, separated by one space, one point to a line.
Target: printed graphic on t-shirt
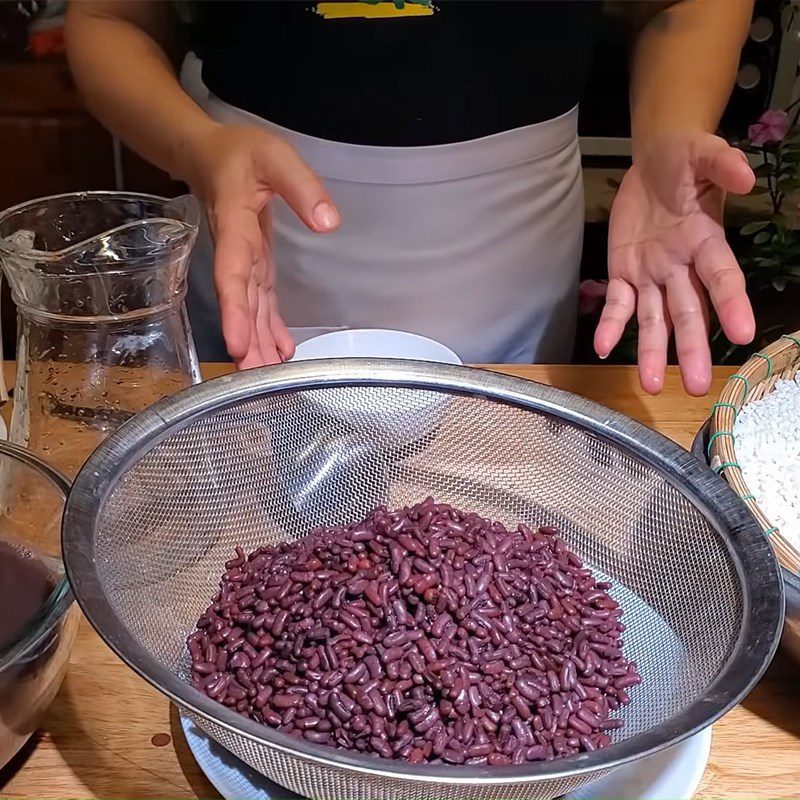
376 9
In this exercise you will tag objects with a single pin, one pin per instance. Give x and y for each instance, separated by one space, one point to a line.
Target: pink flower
590 296
772 126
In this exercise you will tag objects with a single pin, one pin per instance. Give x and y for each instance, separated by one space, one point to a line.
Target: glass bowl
34 660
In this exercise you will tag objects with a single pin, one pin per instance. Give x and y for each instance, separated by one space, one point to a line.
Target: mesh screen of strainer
272 463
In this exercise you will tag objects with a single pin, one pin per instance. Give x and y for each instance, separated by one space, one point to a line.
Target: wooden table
109 735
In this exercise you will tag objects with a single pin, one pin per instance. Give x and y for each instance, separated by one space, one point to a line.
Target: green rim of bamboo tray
757 378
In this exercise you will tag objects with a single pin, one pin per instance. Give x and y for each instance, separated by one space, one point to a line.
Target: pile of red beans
425 634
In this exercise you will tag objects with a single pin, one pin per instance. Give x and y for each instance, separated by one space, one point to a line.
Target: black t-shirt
397 73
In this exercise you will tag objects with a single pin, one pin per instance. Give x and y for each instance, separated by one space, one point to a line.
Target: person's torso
397 73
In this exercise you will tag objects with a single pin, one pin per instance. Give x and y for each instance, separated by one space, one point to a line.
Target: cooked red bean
423 634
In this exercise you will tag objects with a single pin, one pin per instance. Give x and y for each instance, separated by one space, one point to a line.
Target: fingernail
743 156
325 216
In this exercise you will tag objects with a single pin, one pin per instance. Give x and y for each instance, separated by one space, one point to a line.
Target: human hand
236 171
667 254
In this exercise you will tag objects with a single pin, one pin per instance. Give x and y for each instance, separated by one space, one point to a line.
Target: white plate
399 415
673 774
374 343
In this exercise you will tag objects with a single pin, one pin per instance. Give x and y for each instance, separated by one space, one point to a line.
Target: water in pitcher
99 280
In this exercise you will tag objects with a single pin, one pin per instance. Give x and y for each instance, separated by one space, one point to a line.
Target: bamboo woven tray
757 378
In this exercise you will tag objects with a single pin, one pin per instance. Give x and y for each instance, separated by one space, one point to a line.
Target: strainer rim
757 568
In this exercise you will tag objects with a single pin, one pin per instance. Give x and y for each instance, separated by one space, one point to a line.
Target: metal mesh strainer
263 456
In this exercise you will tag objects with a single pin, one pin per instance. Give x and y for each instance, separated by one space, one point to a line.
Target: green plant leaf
789 184
779 219
779 283
762 237
753 227
767 262
762 170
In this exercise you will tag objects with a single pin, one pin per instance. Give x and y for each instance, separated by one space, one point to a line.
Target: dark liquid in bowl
29 682
25 585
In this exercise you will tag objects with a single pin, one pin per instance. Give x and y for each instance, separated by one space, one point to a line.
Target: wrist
647 145
190 146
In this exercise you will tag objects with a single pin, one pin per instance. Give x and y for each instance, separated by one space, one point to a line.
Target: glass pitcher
99 280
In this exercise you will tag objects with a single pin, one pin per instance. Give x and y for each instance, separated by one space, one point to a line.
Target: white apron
475 244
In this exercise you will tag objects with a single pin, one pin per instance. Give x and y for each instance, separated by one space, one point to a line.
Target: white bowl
400 415
374 343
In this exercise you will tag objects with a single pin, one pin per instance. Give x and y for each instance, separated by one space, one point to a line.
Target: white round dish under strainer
374 343
389 417
672 774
